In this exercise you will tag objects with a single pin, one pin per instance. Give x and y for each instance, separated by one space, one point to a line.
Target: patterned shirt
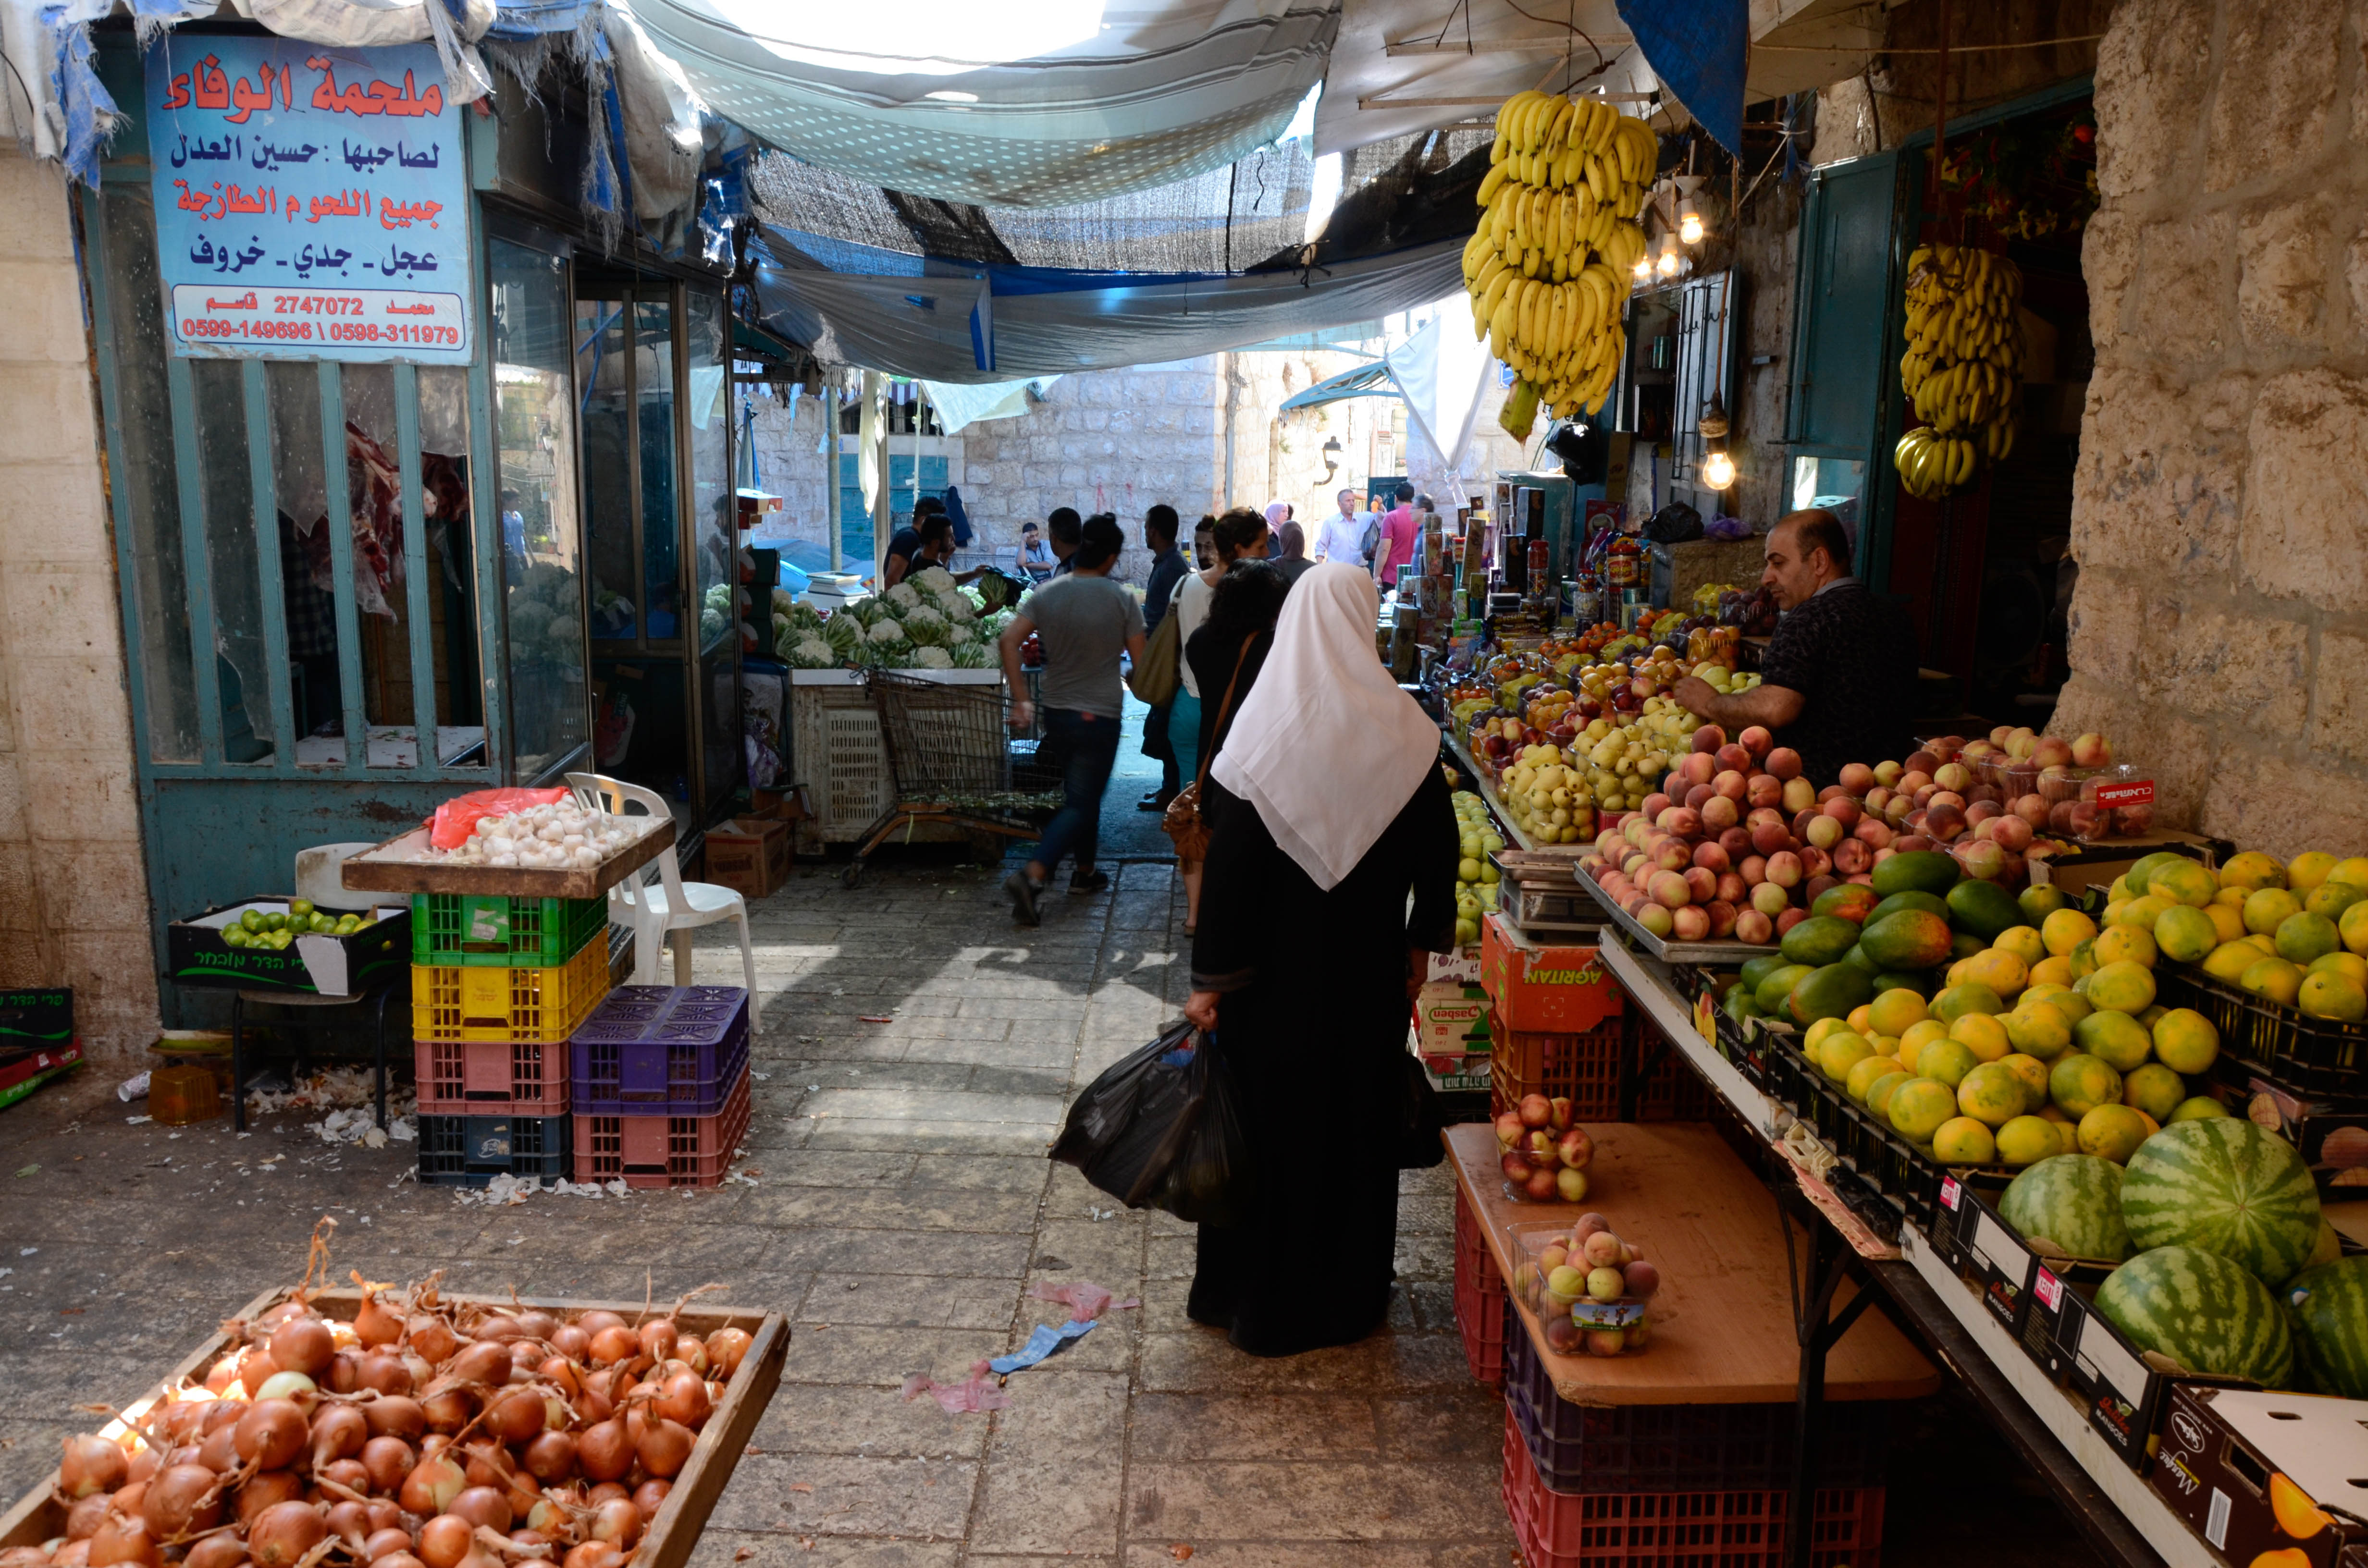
1853 664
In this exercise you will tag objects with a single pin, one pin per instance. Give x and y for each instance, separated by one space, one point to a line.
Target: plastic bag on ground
456 819
975 1393
1084 1300
1162 1129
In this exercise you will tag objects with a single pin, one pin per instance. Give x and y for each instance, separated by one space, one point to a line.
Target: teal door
855 534
1841 364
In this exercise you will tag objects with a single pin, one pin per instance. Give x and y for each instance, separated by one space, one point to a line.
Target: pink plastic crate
1479 1299
662 1151
518 1077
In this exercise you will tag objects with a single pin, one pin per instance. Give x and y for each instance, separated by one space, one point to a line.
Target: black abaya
1313 1040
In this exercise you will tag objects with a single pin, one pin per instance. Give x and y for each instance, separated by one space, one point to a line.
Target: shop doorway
660 544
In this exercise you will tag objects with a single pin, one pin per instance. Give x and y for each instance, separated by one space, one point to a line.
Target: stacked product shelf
497 985
660 1085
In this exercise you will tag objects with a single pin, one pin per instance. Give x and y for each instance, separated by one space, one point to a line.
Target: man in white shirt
1342 537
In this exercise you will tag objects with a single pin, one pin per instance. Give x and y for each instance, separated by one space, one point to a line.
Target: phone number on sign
328 332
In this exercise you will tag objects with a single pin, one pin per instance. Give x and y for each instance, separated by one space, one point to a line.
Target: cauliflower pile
927 622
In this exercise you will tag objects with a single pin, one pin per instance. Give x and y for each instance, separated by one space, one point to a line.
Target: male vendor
1837 675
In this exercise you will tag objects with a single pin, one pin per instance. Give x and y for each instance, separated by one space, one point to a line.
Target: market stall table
1486 788
2116 1510
1722 1326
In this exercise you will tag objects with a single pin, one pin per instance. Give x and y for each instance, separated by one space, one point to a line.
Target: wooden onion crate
368 872
38 1515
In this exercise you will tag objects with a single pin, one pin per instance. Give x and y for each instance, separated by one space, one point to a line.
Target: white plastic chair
320 877
652 909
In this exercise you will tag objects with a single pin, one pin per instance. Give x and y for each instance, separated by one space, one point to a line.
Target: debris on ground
973 1393
1084 1300
328 1088
360 1126
505 1189
135 1088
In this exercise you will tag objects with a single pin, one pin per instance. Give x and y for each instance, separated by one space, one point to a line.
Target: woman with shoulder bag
1325 809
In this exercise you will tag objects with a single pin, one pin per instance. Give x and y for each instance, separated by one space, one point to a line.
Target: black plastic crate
2315 1056
1678 1448
471 1151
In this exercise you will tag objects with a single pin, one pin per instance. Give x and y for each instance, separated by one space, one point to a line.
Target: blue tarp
1698 48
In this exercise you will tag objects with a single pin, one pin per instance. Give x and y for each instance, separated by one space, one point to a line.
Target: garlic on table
552 837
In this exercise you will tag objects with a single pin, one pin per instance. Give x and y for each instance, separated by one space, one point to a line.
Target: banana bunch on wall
1548 267
1963 370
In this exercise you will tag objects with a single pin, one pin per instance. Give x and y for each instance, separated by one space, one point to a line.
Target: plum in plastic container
1544 1163
2116 801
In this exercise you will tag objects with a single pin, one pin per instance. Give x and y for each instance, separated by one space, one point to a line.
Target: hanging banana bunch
1963 370
1548 267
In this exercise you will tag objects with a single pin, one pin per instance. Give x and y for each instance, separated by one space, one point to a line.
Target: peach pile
1543 1157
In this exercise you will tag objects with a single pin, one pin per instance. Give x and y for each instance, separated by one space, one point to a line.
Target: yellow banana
1489 182
1559 129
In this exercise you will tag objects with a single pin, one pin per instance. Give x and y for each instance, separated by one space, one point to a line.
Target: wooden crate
39 1516
395 866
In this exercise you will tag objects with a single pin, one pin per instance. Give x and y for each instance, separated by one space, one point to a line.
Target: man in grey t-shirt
1084 621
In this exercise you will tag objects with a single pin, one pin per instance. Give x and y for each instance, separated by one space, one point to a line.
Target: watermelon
2203 1311
2330 1314
2227 1186
2072 1200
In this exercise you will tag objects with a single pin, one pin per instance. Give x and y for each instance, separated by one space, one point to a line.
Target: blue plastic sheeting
923 325
1366 380
1698 49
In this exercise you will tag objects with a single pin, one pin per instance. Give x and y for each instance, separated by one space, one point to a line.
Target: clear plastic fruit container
2115 802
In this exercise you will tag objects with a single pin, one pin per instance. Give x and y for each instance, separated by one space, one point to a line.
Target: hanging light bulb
1690 222
1668 262
1643 267
1718 471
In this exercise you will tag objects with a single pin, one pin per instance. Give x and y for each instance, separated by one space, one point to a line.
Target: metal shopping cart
952 761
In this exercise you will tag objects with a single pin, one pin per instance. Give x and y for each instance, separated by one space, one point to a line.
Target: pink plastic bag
1084 1300
974 1394
457 818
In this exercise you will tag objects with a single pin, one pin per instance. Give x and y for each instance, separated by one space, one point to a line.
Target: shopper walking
1293 562
1084 621
1291 850
1396 547
1342 536
1168 571
1238 536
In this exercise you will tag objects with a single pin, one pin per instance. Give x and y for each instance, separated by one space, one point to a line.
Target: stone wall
2220 628
73 890
1898 92
1119 442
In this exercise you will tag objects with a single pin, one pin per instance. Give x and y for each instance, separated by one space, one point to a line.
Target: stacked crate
497 985
660 1085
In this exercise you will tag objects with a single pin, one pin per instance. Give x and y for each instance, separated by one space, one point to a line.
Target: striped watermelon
2330 1307
2203 1311
2072 1200
2227 1186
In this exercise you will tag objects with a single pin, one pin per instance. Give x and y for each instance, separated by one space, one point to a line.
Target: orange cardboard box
750 856
1557 990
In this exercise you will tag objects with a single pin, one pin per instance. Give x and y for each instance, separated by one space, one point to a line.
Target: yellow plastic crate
477 1002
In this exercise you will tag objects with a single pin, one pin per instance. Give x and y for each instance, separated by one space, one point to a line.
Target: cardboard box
2246 1470
1969 1235
750 856
1463 966
2098 864
322 965
43 1016
1451 1020
1542 988
24 1068
2125 1397
2330 1135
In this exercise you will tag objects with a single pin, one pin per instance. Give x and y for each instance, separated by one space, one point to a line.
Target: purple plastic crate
660 1051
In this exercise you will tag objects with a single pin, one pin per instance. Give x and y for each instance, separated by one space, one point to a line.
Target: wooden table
1723 1328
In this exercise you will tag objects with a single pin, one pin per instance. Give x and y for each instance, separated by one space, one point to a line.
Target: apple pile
1736 846
1589 1288
1544 1158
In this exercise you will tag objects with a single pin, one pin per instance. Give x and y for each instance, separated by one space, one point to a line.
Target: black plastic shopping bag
1163 1128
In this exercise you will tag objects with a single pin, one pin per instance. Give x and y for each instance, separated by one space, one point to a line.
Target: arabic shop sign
312 203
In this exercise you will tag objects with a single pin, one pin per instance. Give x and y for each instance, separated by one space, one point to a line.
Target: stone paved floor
901 1205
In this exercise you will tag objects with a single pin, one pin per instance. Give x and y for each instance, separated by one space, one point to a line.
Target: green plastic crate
490 931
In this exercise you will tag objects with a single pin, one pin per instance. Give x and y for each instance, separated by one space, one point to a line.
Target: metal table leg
237 1064
1817 1327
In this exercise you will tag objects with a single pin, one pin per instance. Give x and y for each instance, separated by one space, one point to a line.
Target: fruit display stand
672 1534
2115 1508
1668 949
404 864
1486 789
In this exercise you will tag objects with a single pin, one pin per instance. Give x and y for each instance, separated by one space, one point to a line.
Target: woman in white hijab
1325 808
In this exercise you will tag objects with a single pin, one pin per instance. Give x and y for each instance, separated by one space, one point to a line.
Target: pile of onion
432 1435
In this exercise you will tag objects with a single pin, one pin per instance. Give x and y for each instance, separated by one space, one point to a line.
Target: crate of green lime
279 943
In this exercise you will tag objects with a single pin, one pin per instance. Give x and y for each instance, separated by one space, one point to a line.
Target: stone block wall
1117 441
2220 518
73 889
